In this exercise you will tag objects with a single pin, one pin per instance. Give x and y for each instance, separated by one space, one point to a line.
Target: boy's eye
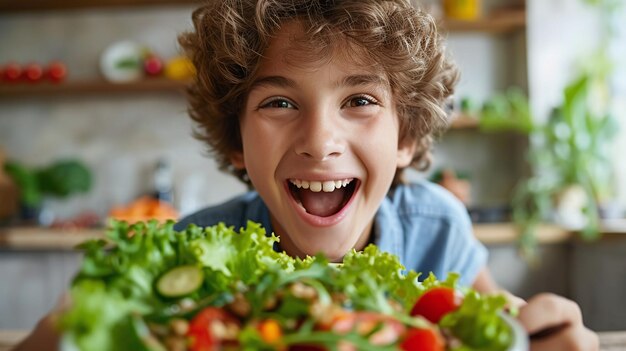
277 103
361 100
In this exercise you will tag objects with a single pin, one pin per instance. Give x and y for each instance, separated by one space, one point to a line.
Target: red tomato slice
437 302
418 339
201 329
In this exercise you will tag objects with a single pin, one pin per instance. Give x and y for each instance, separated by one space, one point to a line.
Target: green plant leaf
27 182
64 178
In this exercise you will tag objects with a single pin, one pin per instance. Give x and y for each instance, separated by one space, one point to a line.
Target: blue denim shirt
421 223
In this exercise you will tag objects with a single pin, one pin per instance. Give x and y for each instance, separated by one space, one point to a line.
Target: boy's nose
320 139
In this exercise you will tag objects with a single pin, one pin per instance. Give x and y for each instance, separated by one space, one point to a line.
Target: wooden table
609 341
8 338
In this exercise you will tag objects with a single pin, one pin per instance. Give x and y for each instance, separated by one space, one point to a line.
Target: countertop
609 341
37 238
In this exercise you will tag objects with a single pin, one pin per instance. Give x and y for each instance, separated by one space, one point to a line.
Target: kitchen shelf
7 6
499 22
26 90
462 121
36 238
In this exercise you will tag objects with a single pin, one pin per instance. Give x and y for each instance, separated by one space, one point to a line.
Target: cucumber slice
180 281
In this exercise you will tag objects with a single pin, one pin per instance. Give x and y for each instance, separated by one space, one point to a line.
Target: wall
119 137
560 35
122 137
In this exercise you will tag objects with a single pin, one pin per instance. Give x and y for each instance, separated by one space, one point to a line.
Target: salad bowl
151 288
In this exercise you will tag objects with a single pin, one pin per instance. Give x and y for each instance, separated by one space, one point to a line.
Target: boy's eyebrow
350 81
362 79
273 81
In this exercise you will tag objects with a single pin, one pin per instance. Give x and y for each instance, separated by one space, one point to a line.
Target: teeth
317 186
328 186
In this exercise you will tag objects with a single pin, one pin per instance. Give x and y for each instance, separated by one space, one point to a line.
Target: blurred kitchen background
93 124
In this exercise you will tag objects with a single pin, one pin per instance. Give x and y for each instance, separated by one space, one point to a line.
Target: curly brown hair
230 37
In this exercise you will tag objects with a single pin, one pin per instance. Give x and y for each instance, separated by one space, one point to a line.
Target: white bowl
520 337
122 51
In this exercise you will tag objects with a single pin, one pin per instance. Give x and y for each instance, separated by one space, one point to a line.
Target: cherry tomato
33 72
210 328
437 302
12 72
153 65
56 71
418 339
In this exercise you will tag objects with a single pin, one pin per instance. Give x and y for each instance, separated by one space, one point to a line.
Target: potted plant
570 172
60 179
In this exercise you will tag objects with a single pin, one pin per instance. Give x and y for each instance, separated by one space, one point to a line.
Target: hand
555 323
45 336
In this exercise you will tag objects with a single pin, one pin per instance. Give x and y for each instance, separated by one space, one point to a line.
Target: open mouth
322 198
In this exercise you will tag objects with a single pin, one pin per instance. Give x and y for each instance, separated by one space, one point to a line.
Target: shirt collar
258 212
387 221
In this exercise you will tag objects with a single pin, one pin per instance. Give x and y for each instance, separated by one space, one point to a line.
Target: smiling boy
322 141
320 144
319 106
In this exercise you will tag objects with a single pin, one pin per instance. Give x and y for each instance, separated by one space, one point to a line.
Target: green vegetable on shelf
60 179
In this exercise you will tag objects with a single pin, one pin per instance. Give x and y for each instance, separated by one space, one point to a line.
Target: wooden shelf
461 121
35 238
506 233
48 5
499 22
29 90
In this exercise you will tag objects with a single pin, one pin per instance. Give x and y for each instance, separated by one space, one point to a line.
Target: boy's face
329 125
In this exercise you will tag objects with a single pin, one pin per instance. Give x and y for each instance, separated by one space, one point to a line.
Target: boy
320 105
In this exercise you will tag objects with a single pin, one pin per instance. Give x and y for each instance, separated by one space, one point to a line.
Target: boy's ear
406 150
236 159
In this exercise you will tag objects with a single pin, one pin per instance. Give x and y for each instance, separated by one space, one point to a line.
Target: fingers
572 338
562 319
549 310
513 302
45 335
63 303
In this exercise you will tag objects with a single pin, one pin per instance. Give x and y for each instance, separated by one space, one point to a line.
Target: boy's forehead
293 46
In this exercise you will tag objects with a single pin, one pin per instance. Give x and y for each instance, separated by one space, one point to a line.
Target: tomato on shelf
56 71
436 303
33 72
12 72
153 65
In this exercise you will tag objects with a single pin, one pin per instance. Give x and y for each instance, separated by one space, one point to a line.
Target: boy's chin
333 254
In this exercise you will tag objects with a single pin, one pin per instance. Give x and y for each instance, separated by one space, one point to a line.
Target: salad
149 287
